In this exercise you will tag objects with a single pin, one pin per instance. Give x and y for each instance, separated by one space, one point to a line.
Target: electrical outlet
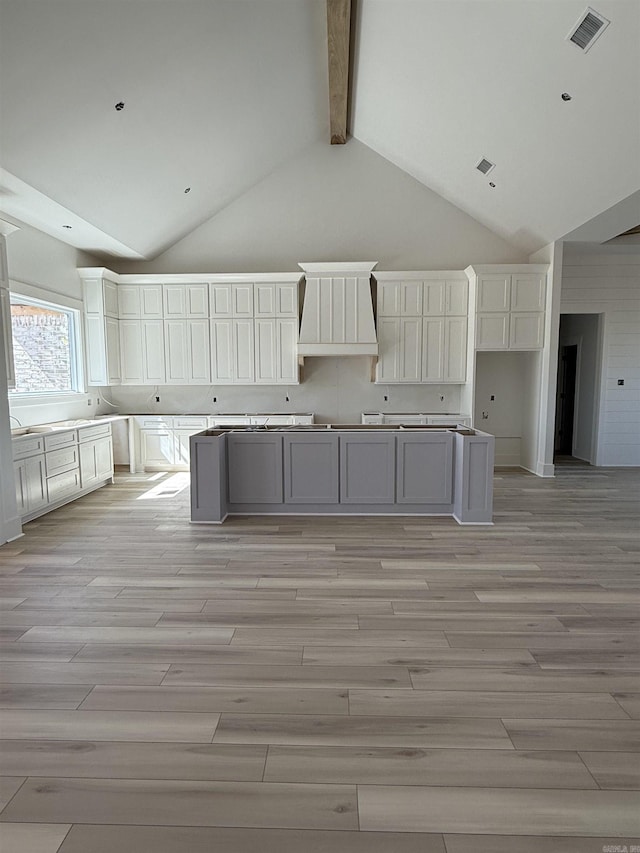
287 399
493 397
442 398
89 401
215 399
386 398
157 398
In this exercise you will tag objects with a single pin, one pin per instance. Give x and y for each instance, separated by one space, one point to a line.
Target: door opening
565 400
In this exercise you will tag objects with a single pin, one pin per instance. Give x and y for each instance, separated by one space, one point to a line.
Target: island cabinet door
311 469
425 468
255 468
367 468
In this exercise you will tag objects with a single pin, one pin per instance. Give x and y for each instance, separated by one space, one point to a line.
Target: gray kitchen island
342 470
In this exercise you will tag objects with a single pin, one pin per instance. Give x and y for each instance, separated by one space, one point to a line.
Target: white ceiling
219 93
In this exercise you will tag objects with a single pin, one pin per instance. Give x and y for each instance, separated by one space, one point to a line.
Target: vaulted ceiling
218 94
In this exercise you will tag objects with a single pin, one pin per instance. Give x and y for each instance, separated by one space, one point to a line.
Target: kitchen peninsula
342 469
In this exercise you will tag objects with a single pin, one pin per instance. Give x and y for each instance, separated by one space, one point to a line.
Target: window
45 347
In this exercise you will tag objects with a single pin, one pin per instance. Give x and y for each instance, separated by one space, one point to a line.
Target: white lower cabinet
96 461
56 467
156 448
31 484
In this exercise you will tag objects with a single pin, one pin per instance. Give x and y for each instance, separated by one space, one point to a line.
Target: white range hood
337 313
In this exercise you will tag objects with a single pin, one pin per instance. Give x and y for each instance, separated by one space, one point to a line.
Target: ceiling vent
589 28
485 166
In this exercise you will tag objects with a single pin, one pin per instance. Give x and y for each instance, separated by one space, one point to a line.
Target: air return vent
485 166
589 28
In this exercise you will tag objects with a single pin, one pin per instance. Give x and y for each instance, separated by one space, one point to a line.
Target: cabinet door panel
197 298
266 357
434 298
286 351
389 299
425 468
311 469
457 298
367 469
157 448
198 352
242 295
96 350
255 468
110 293
494 293
176 353
36 482
287 300
410 349
528 291
388 366
527 331
151 307
129 301
112 337
221 351
244 369
492 331
455 349
131 352
175 301
63 485
20 475
220 300
433 349
265 300
153 351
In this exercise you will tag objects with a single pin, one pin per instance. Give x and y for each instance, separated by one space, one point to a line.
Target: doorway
566 400
578 387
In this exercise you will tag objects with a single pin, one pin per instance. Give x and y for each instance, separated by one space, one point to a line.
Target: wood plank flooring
300 685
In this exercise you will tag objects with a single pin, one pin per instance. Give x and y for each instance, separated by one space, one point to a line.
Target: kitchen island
342 469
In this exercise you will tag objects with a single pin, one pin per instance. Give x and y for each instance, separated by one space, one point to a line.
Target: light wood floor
307 685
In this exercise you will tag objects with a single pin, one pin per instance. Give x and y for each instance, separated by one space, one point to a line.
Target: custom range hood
337 312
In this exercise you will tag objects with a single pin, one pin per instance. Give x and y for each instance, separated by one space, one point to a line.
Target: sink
59 425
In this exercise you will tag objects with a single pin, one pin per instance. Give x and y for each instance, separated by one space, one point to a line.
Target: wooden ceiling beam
338 28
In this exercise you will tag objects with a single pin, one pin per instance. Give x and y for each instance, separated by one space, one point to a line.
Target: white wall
41 266
336 390
581 330
513 379
337 203
606 280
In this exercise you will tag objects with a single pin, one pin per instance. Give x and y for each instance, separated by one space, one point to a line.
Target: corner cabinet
422 328
510 309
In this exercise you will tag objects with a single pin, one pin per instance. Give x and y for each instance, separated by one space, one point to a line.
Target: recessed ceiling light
68 226
120 105
188 190
565 96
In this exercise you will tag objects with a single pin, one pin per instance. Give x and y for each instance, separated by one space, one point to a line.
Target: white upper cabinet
456 298
528 292
494 293
140 301
422 328
187 352
274 299
185 301
510 311
231 300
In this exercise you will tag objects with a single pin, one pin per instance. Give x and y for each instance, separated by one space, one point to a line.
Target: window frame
21 292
